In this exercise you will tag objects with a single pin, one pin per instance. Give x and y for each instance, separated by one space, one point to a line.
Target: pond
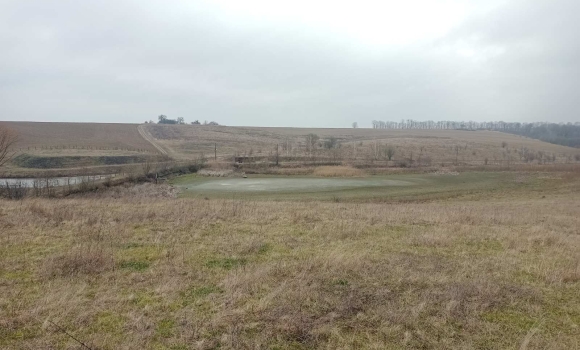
286 184
52 181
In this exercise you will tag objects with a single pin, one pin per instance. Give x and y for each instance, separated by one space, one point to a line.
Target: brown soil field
77 138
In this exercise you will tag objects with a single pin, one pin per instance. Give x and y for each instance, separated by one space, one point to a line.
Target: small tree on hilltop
354 125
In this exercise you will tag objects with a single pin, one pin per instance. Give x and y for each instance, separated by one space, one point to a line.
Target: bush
402 164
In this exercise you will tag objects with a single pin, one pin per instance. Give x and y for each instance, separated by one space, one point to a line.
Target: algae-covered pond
386 187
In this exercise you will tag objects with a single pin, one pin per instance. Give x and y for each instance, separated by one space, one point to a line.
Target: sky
290 63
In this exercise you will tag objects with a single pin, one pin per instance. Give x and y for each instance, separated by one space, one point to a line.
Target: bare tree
8 139
147 166
390 153
311 141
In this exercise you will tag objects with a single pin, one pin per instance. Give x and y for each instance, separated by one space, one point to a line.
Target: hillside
434 146
70 145
79 136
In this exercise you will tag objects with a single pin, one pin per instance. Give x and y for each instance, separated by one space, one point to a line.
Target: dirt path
147 136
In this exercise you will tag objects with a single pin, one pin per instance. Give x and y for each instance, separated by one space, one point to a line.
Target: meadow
457 239
145 266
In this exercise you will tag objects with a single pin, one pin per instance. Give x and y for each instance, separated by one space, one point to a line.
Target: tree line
562 134
163 119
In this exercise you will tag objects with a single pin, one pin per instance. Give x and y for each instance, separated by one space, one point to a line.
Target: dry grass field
137 268
430 146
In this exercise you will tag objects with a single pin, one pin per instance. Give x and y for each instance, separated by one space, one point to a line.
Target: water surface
286 184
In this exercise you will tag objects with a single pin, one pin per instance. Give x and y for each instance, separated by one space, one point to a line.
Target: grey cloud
126 61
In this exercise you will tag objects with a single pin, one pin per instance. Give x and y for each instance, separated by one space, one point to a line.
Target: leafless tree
390 153
8 139
147 166
311 141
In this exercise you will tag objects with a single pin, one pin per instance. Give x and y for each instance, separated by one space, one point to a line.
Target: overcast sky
302 63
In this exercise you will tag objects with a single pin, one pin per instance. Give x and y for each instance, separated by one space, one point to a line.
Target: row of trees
467 125
162 119
563 134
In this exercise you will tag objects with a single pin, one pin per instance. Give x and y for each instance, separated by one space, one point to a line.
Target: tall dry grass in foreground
338 171
134 273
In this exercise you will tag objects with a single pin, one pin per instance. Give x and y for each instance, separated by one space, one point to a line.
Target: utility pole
276 154
215 151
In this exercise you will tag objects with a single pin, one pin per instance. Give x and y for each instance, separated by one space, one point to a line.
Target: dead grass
287 171
90 260
129 190
338 171
139 272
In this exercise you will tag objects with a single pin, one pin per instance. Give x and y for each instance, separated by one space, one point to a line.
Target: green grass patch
134 265
139 252
264 248
165 328
144 298
109 322
511 319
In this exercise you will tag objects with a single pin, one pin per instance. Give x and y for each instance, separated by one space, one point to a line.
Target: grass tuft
88 260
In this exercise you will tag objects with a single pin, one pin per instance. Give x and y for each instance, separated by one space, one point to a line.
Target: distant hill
433 146
85 144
